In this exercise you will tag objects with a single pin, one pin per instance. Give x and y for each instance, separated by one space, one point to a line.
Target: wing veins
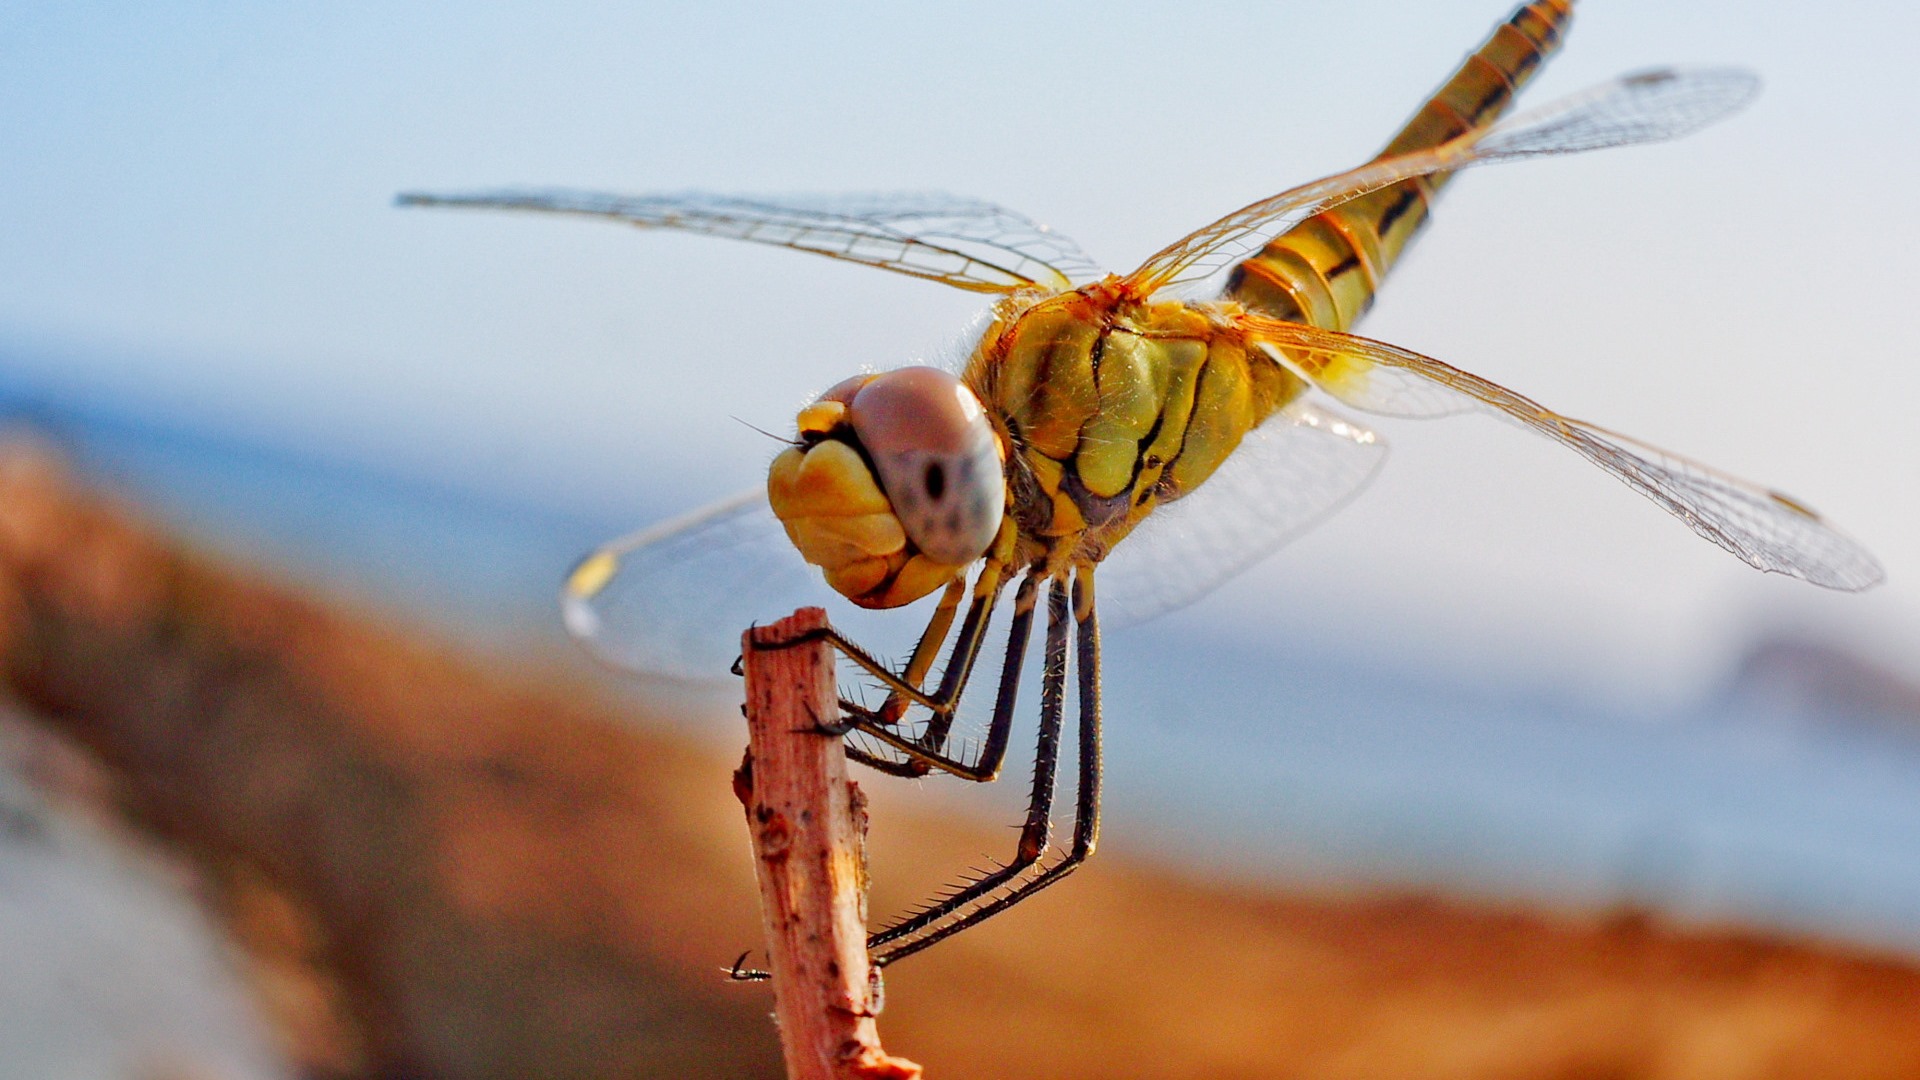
874 232
1636 108
1763 528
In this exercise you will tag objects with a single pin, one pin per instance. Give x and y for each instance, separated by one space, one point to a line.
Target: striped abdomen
1325 270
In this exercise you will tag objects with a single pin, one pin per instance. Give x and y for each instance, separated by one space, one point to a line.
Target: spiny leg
928 750
986 592
927 649
1019 633
959 672
923 754
1086 821
986 766
930 640
1035 832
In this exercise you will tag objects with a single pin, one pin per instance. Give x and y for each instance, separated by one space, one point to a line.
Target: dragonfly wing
1287 475
672 600
1643 107
1765 528
967 243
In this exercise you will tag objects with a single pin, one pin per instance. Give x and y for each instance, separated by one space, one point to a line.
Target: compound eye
938 463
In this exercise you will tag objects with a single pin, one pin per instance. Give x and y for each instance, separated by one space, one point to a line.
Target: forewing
1766 529
966 243
1287 475
1643 107
672 600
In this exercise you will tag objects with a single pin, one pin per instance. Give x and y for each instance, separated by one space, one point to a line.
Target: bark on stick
808 823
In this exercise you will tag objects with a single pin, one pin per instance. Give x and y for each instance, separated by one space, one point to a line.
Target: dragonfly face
1091 401
894 485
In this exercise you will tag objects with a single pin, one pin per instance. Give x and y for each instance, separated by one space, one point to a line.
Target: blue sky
195 205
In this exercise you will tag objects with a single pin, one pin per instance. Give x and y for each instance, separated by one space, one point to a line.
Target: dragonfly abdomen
1326 270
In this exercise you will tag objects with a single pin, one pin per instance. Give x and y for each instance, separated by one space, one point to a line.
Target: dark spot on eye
936 480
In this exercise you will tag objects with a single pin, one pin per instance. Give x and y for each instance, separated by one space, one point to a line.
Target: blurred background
1497 677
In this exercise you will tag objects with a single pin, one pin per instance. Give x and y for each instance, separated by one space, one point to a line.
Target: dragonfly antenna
768 434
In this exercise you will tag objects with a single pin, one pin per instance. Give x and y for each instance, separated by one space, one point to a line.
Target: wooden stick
809 828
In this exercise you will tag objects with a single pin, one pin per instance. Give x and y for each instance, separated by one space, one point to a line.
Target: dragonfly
1160 430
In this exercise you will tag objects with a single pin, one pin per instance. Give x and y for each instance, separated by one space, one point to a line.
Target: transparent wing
673 600
1763 527
1642 107
966 243
1287 475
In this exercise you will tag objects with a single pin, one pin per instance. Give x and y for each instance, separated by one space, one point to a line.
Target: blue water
1255 760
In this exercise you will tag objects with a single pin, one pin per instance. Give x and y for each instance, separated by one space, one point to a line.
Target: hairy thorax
1111 406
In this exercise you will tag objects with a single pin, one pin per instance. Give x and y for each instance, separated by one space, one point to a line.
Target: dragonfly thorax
1111 406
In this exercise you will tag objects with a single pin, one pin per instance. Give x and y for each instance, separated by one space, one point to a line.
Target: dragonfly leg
925 651
987 896
927 648
965 904
960 666
928 749
1019 632
986 594
911 768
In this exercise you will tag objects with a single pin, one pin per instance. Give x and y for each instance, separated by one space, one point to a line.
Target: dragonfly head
894 486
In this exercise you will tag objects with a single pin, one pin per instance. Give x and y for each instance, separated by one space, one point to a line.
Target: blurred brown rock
442 867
